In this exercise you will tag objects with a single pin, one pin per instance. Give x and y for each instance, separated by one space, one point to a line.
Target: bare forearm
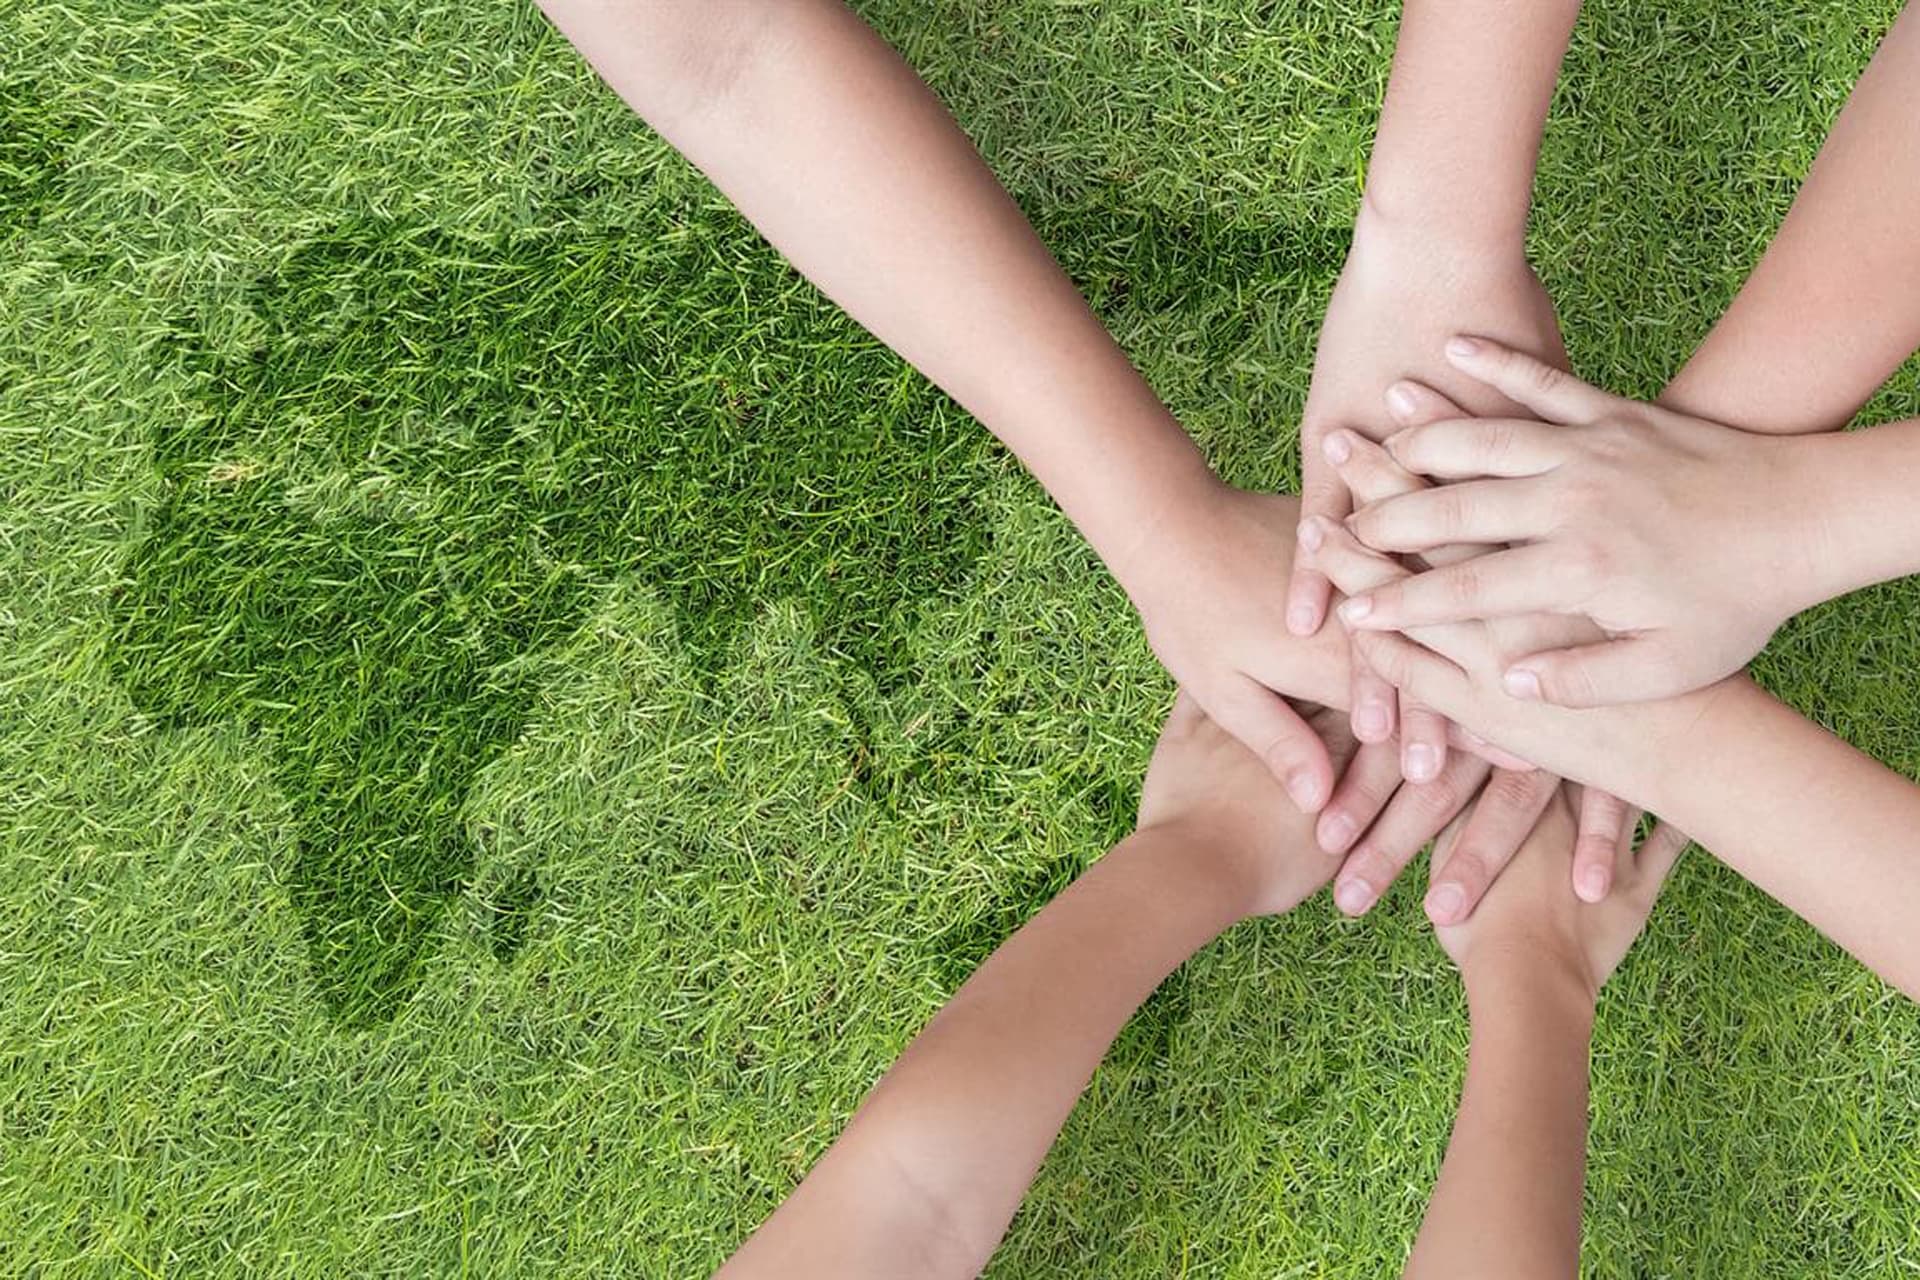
1834 306
1853 511
836 151
1466 106
1827 831
944 1147
1508 1199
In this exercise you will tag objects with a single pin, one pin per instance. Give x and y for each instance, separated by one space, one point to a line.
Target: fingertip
1372 723
1337 448
1306 602
1420 762
1592 884
1461 347
1402 403
1309 789
1521 683
1354 896
1446 904
1335 832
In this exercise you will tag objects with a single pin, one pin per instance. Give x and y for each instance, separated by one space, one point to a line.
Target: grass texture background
512 711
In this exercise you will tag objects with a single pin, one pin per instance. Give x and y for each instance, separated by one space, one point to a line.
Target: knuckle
1510 790
1540 375
1464 584
1439 799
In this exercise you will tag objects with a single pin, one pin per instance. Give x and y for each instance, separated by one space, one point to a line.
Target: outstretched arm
929 1172
1834 306
1440 245
1826 830
1533 960
835 150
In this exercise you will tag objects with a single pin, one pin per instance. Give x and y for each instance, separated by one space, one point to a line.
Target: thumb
1286 744
1633 669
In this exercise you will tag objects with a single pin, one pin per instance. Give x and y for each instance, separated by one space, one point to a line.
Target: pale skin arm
849 165
1439 246
1826 830
1686 541
1834 306
928 1174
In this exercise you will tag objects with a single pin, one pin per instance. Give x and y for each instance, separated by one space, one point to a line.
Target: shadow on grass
431 453
435 455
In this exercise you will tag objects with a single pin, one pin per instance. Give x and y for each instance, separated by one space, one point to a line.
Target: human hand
1667 531
1528 919
1507 809
1207 588
1236 819
1207 585
1456 667
1405 288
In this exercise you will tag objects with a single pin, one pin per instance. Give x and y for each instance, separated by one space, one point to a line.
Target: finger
1373 476
1423 741
1630 669
1292 752
1431 679
1369 472
1462 448
1417 812
1414 404
1471 511
1604 821
1334 551
1656 858
1552 393
1372 700
1323 494
1500 823
1528 579
1362 792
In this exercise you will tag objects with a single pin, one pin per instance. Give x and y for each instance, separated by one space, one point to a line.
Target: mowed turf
512 711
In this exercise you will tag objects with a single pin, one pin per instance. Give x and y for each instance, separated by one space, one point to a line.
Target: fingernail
1420 763
1593 884
1521 683
1304 789
1372 722
1353 896
1400 400
1301 619
1355 609
1311 534
1445 904
1338 448
1337 832
1466 347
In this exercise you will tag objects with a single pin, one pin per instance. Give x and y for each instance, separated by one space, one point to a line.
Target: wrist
1803 561
1199 855
1399 214
1150 516
1530 983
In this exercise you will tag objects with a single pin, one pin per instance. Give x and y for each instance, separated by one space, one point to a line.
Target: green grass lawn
512 711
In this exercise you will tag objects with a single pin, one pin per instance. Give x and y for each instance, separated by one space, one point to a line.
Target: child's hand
1529 919
1237 818
1403 291
1207 583
1669 532
1505 815
1456 669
